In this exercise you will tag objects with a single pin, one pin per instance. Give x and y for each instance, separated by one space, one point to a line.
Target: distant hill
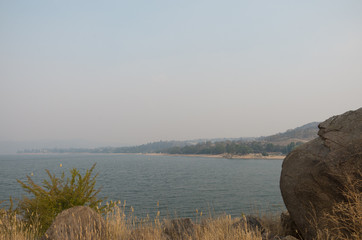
303 134
281 142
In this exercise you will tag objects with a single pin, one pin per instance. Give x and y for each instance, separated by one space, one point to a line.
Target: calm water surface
180 184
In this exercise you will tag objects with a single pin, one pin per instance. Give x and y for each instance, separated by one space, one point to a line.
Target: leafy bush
56 195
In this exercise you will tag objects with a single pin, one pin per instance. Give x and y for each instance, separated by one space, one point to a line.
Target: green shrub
56 195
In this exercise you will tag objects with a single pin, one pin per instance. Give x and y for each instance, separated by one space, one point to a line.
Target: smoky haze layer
128 73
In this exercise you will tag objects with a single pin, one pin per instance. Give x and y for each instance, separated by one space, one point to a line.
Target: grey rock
181 228
289 227
80 222
251 222
314 174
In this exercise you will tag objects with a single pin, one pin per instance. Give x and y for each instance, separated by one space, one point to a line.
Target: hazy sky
131 72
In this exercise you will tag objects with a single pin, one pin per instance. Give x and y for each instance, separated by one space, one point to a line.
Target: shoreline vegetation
226 149
228 156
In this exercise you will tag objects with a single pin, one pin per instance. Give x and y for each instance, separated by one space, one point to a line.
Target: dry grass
345 220
222 228
12 228
272 224
120 226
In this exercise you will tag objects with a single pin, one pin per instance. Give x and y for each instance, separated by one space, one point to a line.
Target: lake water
180 184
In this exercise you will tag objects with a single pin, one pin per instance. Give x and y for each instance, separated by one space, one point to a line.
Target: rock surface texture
314 174
79 222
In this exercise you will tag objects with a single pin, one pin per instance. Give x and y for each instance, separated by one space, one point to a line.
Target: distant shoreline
247 156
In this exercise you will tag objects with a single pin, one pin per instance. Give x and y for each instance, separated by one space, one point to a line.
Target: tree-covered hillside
304 133
281 143
233 148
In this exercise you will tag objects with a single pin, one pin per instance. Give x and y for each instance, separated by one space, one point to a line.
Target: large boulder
80 222
315 174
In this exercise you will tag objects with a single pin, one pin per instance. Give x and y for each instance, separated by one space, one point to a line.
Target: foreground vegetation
345 220
31 218
120 226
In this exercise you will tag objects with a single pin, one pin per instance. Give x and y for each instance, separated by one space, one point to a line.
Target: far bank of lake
257 156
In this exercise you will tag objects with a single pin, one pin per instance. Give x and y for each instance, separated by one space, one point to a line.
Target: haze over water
131 72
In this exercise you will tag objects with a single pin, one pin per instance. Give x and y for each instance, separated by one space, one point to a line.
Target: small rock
79 222
181 228
251 222
288 225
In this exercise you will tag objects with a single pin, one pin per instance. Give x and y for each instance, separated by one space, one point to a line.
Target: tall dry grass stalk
121 226
272 224
345 219
12 228
223 228
128 227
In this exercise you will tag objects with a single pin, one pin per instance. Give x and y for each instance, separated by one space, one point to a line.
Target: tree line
234 148
173 147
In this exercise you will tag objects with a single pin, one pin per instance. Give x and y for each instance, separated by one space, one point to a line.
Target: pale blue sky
131 72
